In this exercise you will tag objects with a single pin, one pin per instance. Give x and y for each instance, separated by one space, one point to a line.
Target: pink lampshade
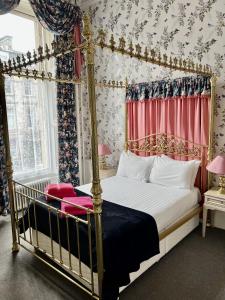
103 149
217 165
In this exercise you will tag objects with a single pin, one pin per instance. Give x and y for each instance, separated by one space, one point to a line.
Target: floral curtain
8 5
58 16
67 129
186 86
4 200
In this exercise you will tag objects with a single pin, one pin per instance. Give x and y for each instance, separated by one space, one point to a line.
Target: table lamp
217 166
103 150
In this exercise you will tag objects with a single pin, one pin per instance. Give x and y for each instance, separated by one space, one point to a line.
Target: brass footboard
28 235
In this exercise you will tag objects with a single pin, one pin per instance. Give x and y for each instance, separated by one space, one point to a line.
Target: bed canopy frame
20 67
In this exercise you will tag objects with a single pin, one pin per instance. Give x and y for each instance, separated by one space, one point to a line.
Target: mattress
165 204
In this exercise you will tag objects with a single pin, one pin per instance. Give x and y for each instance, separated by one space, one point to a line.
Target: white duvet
165 204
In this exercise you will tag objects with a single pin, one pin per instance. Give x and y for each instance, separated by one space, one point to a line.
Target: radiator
37 185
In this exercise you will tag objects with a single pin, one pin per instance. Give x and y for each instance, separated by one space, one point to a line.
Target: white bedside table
213 201
107 172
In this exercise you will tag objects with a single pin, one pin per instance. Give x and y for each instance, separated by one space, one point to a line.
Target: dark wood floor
193 270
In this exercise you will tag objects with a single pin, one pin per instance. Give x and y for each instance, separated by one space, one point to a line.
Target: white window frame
42 37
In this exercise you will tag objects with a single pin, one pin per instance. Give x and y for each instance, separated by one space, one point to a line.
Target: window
30 111
8 86
27 88
11 113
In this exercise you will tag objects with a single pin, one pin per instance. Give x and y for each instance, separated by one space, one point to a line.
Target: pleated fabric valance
185 86
59 16
8 5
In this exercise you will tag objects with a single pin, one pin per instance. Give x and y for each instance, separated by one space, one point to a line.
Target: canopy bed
85 249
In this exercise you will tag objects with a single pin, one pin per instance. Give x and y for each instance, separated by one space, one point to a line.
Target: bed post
126 128
96 187
126 119
213 80
9 170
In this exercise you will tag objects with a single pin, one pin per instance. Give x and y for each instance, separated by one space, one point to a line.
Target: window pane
26 101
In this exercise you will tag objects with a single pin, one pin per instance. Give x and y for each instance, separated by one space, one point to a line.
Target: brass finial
35 56
122 44
146 54
159 57
164 58
23 60
131 49
180 62
196 67
112 43
47 51
101 38
175 61
42 75
138 51
40 52
5 66
152 54
18 59
10 63
87 26
49 76
35 73
189 64
14 63
27 73
29 57
54 46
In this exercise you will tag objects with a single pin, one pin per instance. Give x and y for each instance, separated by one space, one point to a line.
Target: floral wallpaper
184 28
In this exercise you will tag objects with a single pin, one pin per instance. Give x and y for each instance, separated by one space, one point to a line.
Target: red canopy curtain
184 116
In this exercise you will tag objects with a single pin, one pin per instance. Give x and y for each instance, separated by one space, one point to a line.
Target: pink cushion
82 201
60 190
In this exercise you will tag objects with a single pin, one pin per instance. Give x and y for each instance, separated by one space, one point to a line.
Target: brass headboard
163 143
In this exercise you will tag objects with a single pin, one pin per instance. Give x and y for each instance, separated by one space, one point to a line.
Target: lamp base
221 189
102 163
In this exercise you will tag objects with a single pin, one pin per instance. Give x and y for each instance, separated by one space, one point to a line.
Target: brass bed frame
21 67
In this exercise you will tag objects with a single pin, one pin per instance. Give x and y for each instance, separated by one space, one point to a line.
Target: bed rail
27 200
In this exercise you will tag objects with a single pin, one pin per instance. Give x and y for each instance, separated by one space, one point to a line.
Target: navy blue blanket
129 238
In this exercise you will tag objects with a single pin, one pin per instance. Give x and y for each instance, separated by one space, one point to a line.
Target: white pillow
135 167
195 168
149 159
168 172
